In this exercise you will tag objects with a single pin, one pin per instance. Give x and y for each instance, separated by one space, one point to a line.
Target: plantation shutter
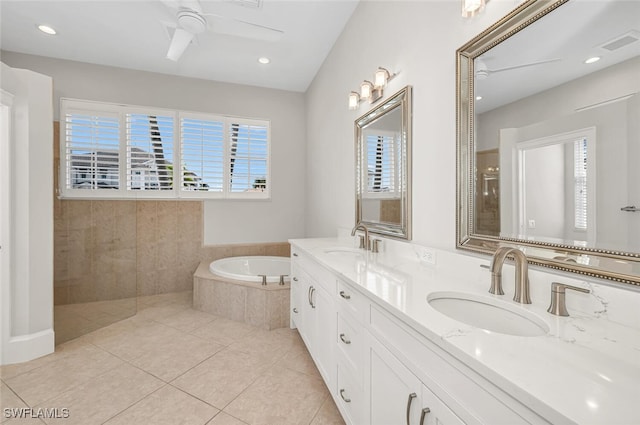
248 157
150 156
580 183
203 154
91 154
381 163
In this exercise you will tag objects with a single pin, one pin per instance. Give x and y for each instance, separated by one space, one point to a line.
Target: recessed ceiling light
264 60
47 29
592 60
478 97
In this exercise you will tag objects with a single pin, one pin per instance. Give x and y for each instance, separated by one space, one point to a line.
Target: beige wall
113 249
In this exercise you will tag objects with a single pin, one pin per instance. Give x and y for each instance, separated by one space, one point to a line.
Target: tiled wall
112 249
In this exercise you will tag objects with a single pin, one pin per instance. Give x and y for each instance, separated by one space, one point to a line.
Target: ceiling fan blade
191 5
508 68
238 28
179 43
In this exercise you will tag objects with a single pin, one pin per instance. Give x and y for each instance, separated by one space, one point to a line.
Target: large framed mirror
383 167
548 137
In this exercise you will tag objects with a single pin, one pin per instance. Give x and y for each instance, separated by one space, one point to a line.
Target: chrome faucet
522 274
364 242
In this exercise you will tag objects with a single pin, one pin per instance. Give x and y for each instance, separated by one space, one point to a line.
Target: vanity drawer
353 302
349 397
350 340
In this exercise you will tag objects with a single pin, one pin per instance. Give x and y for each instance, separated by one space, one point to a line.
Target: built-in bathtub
235 288
259 269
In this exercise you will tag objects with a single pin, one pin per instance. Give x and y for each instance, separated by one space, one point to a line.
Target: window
382 157
91 150
148 153
580 183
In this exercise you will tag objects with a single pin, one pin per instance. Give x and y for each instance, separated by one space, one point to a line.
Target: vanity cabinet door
324 331
316 321
395 393
435 412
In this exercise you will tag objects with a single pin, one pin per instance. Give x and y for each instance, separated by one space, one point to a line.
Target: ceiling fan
191 21
482 71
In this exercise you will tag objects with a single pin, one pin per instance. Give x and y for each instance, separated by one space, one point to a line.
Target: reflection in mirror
549 138
383 142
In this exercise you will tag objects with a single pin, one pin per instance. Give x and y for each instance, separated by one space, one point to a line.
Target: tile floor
171 364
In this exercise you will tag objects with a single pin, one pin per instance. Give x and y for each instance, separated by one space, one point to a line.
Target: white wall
224 221
26 314
418 40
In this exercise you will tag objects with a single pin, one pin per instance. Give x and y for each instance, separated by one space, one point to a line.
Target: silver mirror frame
403 100
616 266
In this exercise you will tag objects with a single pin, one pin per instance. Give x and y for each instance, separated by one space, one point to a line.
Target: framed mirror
548 138
383 167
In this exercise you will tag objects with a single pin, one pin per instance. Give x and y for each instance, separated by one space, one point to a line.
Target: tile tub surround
266 307
586 370
171 364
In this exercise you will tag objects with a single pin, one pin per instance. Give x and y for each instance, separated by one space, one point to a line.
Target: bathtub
232 288
253 268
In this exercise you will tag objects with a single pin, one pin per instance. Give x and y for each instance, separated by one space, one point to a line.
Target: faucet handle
375 245
558 304
362 242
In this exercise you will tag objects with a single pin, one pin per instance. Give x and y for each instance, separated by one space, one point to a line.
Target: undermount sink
488 313
344 252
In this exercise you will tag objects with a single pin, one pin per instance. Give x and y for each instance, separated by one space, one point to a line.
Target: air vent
254 4
621 41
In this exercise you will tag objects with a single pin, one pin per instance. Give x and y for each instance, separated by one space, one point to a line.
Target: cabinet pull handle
424 414
313 291
345 296
309 294
345 340
295 279
409 401
347 400
295 255
295 310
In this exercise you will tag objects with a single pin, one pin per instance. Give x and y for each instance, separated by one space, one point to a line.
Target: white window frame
68 106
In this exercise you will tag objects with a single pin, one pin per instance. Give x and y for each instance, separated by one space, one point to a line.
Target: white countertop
586 370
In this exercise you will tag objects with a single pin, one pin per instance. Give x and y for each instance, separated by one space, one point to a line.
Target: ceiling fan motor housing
192 21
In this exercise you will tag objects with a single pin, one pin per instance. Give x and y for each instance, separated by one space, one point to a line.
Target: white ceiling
575 31
131 34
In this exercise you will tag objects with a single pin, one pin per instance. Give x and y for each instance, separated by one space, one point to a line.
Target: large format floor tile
171 364
167 406
282 396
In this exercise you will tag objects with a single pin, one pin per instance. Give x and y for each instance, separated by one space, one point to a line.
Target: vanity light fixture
366 89
471 8
354 100
47 29
371 91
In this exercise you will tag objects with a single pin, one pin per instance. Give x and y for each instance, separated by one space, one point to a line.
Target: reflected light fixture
47 29
592 59
370 91
264 60
471 8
